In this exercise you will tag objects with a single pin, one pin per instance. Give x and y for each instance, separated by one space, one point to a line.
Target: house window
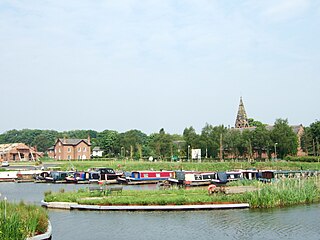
59 157
69 157
55 150
69 149
84 149
59 143
79 156
79 149
59 150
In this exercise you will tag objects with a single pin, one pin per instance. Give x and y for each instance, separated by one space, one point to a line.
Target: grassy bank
279 194
203 166
19 221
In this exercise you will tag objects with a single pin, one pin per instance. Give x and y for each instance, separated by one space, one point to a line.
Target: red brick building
18 152
68 149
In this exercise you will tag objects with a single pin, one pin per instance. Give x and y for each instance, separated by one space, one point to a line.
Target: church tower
242 120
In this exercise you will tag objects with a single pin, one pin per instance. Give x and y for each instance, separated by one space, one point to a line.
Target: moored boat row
180 178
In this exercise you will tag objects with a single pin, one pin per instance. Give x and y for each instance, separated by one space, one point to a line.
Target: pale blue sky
135 64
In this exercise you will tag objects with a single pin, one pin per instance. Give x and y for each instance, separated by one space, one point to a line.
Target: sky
152 64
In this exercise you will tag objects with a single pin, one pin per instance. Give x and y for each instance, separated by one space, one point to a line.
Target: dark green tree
285 141
106 140
261 141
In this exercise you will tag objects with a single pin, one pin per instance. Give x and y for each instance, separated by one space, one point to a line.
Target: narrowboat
27 176
57 177
41 176
8 176
233 175
199 179
190 178
221 178
83 177
274 175
249 174
145 177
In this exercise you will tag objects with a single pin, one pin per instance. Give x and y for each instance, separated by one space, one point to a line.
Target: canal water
300 222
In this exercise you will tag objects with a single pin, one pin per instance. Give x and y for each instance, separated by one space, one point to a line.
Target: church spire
242 120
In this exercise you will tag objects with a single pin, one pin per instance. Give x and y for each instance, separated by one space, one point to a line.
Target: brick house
68 149
18 152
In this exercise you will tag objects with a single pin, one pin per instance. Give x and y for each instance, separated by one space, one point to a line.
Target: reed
284 193
19 221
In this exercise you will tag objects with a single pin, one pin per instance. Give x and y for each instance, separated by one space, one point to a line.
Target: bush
302 159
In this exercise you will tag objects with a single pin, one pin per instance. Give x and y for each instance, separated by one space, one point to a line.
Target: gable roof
72 141
4 148
96 149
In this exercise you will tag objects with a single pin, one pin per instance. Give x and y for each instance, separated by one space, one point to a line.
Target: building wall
63 151
20 152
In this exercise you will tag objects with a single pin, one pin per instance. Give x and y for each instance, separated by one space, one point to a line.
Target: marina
285 223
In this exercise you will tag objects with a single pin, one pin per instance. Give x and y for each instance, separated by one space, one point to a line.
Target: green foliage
286 140
134 144
106 140
21 221
284 193
161 144
303 159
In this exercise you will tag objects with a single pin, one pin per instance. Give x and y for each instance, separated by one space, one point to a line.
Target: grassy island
19 221
278 194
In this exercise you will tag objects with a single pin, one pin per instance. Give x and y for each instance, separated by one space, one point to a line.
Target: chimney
89 139
64 139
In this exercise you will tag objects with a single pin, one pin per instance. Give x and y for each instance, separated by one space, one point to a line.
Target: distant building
50 152
18 152
242 119
242 123
68 149
97 152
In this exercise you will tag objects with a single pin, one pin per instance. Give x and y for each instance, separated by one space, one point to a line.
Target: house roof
96 149
4 148
73 141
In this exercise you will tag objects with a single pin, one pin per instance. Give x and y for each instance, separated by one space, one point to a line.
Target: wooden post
221 148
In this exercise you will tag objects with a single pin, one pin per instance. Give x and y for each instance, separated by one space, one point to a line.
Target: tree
308 144
285 141
132 143
261 140
45 140
315 134
233 143
161 144
106 140
254 123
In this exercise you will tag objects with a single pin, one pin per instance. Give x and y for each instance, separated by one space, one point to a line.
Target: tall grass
21 221
284 193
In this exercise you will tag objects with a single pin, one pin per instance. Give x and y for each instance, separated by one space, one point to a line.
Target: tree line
214 141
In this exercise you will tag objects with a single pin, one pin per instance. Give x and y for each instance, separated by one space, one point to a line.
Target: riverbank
19 221
279 194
